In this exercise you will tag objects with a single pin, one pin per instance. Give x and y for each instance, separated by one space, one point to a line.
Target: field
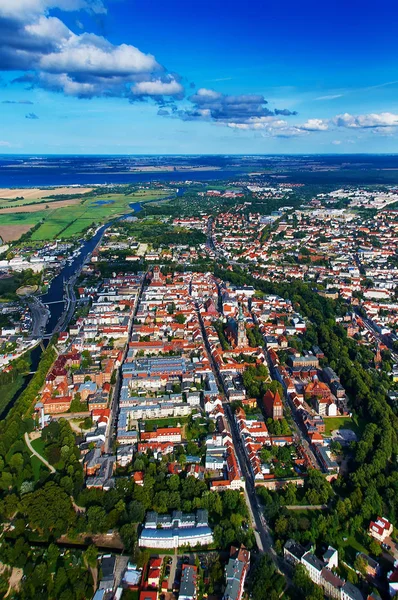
332 423
67 218
9 233
29 208
31 194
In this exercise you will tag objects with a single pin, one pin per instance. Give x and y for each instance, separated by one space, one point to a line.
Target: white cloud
24 9
90 53
158 88
314 125
49 28
336 142
5 144
84 65
385 119
208 94
63 83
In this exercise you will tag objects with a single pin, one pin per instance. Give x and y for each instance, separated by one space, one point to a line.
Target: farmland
67 218
23 195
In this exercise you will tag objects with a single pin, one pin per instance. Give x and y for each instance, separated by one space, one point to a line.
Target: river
55 293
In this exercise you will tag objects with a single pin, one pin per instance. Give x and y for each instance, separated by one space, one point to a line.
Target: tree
48 509
360 564
96 519
90 556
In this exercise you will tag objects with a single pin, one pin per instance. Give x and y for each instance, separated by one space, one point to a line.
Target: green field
150 424
37 465
332 423
39 446
352 545
68 221
8 391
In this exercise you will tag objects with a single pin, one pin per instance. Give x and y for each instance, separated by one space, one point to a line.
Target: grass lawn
7 392
39 445
352 546
332 423
36 466
167 422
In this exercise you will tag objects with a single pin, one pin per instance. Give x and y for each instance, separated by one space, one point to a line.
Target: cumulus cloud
369 121
53 57
22 9
158 87
315 125
242 111
31 116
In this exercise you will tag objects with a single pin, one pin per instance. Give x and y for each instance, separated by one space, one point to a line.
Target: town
207 414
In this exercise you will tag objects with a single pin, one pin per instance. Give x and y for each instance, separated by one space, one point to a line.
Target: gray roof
296 549
233 572
312 560
352 591
188 581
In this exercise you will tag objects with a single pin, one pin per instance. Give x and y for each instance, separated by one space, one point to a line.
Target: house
350 592
57 404
380 529
178 529
154 571
393 582
313 567
108 564
293 552
320 571
188 586
235 573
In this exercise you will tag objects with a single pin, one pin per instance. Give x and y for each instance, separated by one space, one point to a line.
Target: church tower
242 337
156 274
377 358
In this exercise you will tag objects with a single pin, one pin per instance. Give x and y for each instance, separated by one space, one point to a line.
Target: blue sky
122 76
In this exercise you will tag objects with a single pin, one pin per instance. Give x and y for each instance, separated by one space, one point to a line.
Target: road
39 456
39 317
110 433
370 326
261 530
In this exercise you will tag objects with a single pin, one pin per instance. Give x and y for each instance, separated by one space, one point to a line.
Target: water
23 172
55 293
34 362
